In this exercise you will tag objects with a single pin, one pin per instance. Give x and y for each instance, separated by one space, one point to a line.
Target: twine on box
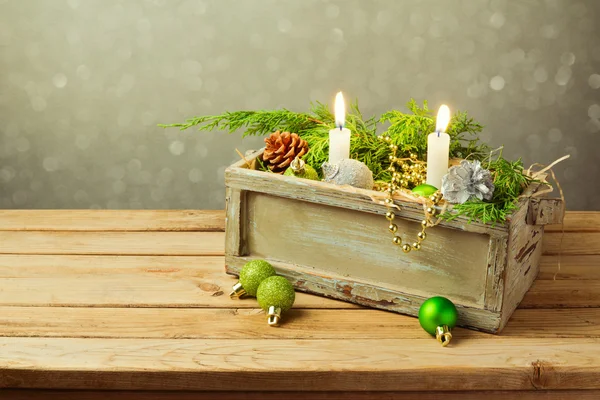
540 176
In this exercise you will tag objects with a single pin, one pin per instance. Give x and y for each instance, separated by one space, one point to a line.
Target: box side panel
338 287
348 197
235 221
524 252
357 245
496 265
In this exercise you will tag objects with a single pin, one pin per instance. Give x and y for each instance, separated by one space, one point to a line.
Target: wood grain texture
13 394
164 322
339 196
235 205
571 243
198 243
496 266
367 294
577 221
232 323
577 267
328 237
131 281
562 293
184 220
181 281
329 240
112 220
121 243
522 261
227 323
545 211
253 364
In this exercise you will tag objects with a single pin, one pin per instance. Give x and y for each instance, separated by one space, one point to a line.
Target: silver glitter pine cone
467 181
348 172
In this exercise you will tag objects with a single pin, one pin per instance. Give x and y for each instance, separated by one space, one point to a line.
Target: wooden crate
333 241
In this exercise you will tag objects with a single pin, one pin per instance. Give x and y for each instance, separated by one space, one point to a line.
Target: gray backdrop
83 84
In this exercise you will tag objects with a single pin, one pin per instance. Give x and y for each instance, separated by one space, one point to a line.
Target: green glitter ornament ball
276 291
437 311
253 273
307 172
424 190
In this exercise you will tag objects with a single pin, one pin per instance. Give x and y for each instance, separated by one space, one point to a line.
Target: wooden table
138 300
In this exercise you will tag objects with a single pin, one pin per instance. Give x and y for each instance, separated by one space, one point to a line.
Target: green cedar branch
408 130
253 122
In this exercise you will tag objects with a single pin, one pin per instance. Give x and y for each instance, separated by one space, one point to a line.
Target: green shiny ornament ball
276 291
424 190
308 172
253 273
437 311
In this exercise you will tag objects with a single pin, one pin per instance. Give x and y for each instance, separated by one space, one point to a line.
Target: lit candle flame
443 119
340 111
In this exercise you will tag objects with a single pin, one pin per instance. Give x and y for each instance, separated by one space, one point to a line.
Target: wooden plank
562 294
173 281
184 220
261 395
554 323
158 323
577 267
329 364
578 221
132 281
121 243
112 220
162 323
197 243
571 243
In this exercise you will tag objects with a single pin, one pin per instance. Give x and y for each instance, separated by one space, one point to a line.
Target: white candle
438 149
339 137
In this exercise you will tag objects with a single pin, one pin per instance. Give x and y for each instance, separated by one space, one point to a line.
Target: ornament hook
443 335
273 316
237 291
297 165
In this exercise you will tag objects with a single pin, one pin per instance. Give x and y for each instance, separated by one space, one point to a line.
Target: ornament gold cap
443 335
297 166
273 316
237 291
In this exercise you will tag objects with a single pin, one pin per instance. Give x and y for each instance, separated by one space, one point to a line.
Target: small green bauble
424 190
253 273
275 295
438 316
300 169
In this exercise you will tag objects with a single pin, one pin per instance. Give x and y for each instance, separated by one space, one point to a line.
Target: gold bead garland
409 171
402 180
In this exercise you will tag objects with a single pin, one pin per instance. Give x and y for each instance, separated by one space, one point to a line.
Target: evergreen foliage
408 130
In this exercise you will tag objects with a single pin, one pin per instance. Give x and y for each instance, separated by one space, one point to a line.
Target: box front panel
357 246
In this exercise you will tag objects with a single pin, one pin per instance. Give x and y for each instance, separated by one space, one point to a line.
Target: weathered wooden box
333 241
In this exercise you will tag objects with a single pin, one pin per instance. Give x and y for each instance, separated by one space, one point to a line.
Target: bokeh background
83 84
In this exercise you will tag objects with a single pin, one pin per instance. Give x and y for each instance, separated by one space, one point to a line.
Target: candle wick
341 127
438 133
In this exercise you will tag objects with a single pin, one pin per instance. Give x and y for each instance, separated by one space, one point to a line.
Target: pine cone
282 148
